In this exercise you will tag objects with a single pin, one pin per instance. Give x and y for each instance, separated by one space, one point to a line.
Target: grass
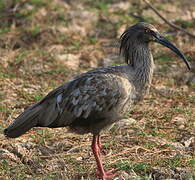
4 30
39 3
192 163
101 5
91 40
185 24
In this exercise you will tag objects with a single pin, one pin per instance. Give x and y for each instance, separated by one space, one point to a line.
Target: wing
94 93
87 95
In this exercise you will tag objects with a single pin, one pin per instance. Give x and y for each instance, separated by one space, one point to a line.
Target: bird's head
143 33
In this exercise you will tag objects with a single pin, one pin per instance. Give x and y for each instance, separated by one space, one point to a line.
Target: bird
94 101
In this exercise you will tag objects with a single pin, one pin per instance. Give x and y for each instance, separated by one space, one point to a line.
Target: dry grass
36 35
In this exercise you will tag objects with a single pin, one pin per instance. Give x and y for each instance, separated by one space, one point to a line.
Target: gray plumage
89 103
95 100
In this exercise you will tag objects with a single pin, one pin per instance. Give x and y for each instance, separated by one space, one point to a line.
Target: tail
42 114
23 122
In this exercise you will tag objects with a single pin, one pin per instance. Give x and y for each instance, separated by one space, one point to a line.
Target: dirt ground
44 43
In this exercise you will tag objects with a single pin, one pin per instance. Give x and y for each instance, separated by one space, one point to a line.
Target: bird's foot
108 175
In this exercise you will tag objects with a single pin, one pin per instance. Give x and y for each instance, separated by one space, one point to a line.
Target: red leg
96 151
99 142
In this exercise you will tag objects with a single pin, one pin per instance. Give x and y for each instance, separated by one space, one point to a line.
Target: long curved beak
162 40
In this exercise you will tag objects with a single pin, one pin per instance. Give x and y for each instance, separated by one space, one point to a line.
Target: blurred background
44 43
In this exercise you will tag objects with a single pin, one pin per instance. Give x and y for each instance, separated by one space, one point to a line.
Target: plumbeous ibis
93 101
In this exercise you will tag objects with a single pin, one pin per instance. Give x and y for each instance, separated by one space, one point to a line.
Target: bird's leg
99 142
96 151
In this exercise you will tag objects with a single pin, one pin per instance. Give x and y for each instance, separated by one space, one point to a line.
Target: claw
101 174
108 175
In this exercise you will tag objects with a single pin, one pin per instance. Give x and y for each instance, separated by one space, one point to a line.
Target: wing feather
97 93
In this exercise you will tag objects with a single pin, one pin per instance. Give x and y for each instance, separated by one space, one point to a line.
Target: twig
168 22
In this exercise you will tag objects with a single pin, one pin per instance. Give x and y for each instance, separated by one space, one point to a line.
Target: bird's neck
143 65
